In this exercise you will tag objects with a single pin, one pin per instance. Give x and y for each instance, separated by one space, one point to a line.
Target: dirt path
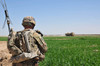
4 54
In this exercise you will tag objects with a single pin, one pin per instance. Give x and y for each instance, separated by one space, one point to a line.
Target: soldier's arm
13 49
41 43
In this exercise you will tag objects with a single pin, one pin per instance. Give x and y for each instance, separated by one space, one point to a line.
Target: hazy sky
54 16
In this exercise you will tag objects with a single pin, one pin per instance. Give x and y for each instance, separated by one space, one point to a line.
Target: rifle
7 18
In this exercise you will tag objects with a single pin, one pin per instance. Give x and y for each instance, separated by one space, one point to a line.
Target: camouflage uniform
27 47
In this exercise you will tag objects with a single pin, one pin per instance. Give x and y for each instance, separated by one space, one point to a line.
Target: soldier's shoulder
37 35
39 32
18 32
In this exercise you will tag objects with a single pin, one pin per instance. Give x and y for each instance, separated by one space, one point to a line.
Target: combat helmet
29 20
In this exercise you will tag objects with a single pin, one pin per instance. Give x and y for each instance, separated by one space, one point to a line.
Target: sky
54 16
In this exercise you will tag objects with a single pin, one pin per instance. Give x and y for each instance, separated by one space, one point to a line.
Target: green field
3 38
72 51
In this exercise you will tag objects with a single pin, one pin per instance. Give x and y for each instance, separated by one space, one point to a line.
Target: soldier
27 47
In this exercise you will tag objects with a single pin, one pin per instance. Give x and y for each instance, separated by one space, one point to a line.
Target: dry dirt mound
4 54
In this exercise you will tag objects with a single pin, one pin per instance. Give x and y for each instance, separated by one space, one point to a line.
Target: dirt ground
4 54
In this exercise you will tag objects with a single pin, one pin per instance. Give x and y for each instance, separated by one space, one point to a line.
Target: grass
3 38
72 51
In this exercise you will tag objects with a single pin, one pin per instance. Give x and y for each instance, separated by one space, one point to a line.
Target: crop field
72 51
3 38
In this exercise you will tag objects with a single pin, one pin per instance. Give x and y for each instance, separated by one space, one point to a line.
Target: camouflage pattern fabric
27 20
18 48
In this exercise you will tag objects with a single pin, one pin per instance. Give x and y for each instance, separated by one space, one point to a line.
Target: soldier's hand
36 58
41 57
11 59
